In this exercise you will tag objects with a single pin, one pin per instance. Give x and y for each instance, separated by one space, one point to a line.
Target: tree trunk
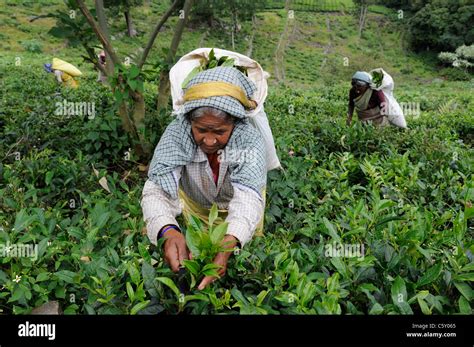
140 148
210 20
131 32
163 91
250 48
99 9
153 35
234 26
98 31
362 19
164 88
133 116
138 116
127 124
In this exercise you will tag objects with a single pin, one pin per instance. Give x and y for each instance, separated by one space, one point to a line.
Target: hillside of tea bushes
406 195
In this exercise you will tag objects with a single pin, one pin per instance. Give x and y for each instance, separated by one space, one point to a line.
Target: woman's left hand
220 260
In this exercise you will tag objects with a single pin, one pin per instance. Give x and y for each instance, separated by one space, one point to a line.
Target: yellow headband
208 89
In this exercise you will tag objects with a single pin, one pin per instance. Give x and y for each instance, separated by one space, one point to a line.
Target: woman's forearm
246 209
158 209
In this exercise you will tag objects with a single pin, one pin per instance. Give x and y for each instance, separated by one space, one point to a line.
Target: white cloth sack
393 110
256 74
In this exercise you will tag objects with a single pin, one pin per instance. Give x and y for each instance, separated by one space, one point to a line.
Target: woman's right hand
175 249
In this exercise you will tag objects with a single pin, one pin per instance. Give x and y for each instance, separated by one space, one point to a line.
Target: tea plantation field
406 196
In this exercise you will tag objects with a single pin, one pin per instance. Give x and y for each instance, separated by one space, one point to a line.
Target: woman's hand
221 259
175 249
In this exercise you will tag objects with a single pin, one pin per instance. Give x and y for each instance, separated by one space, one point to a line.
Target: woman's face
211 133
360 88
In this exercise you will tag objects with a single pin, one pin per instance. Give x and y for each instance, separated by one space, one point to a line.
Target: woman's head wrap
362 76
224 88
48 67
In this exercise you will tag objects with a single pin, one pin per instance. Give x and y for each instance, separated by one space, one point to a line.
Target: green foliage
211 63
40 121
126 79
462 58
312 5
204 245
122 5
215 9
377 78
405 195
32 46
429 28
72 26
408 5
456 74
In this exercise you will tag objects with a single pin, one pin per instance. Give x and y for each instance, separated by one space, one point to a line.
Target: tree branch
164 87
153 35
39 17
179 31
100 11
100 34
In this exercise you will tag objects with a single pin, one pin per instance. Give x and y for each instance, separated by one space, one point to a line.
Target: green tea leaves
190 76
23 220
213 215
67 276
170 284
211 63
210 270
130 292
399 296
134 273
465 290
217 234
193 240
431 275
192 266
377 78
331 229
464 306
138 307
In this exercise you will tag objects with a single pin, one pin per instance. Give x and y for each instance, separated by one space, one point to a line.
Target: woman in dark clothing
369 103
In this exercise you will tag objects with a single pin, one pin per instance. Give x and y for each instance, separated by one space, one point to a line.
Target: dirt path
285 37
328 47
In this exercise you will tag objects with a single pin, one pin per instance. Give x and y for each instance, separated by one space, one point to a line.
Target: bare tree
100 12
362 6
132 114
164 88
125 7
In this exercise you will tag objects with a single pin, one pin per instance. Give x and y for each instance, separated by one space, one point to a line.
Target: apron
369 115
190 207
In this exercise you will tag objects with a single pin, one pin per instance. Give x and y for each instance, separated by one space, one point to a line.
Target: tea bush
32 46
405 196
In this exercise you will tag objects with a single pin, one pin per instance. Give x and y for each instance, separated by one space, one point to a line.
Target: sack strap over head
209 89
